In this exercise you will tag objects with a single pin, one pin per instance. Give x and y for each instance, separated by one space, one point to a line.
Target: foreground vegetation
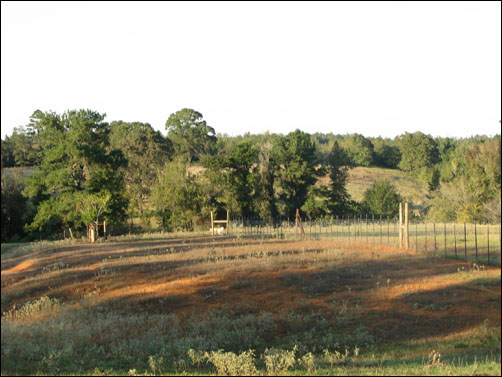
236 305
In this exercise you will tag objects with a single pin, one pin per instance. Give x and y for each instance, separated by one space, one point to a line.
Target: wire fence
479 242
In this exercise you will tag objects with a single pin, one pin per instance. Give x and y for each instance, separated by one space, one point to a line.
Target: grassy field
362 178
155 305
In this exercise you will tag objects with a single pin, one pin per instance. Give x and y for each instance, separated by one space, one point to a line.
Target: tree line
88 170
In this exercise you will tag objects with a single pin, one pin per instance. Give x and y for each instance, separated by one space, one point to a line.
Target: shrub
382 199
230 364
278 361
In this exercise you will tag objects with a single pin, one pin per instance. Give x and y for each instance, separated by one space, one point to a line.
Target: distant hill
361 178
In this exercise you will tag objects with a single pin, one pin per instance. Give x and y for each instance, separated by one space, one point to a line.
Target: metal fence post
465 242
425 237
349 228
476 239
373 225
388 231
434 229
367 233
444 239
488 234
455 238
416 235
380 225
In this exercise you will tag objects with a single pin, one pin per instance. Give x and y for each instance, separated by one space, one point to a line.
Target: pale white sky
373 68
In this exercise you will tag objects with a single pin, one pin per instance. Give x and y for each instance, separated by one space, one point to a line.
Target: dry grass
401 296
361 178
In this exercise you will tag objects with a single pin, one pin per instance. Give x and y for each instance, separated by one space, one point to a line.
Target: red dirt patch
397 295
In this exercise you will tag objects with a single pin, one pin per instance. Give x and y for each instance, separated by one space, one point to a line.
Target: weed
230 364
156 364
197 357
434 360
278 361
308 361
335 357
42 306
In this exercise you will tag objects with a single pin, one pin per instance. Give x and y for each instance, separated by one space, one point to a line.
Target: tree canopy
75 161
295 158
88 170
146 151
191 136
417 151
382 199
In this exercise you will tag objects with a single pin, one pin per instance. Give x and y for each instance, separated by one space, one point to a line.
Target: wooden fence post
212 224
228 221
298 224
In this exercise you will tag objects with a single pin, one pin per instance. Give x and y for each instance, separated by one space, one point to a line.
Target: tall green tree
177 196
472 189
265 205
75 161
417 151
241 178
295 158
214 184
359 150
338 173
23 147
191 136
15 210
7 155
146 151
386 153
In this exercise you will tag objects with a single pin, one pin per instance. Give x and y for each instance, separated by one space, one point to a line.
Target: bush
230 364
278 361
382 199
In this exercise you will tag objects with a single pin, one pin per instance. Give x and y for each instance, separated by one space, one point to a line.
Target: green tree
75 161
14 206
317 204
240 178
386 154
382 199
472 190
190 134
265 200
338 173
177 196
359 150
295 158
23 145
213 182
7 154
146 151
417 151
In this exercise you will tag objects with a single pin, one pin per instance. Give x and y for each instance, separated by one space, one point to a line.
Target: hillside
361 179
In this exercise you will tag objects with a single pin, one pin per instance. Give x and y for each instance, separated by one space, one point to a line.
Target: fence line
431 238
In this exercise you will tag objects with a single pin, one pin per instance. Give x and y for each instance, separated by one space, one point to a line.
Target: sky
374 68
